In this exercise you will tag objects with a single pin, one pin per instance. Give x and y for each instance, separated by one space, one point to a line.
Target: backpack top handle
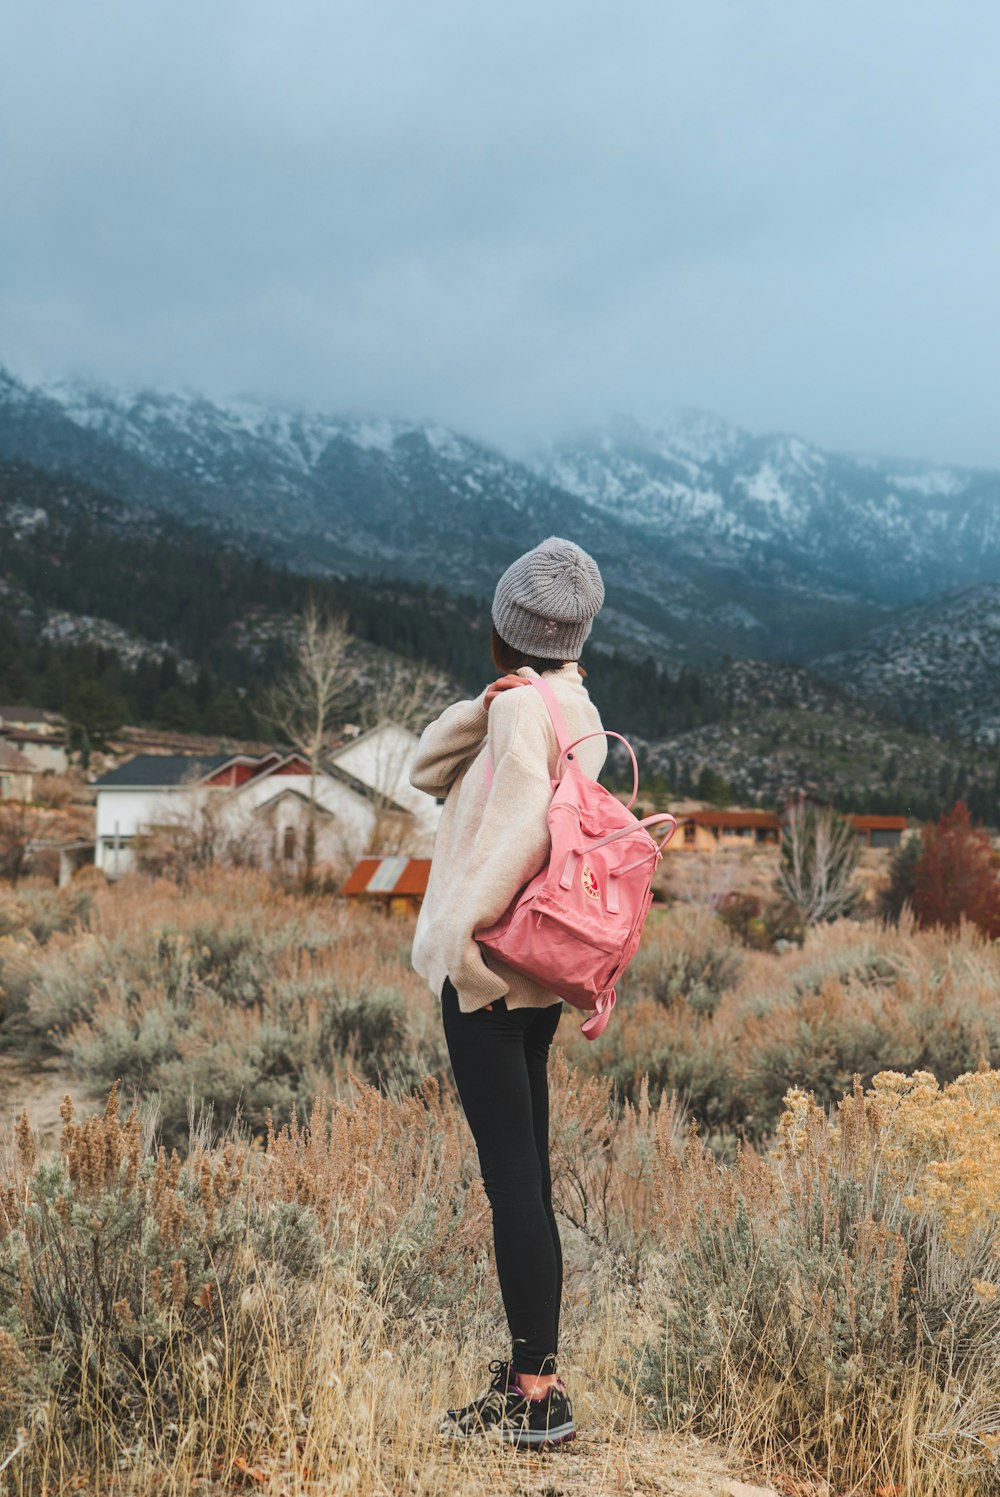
567 745
567 754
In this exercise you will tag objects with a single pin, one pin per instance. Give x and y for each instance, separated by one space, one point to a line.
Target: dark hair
506 658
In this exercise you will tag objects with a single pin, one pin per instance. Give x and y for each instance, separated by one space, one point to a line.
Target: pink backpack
576 926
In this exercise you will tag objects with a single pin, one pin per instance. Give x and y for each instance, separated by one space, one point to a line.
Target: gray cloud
516 218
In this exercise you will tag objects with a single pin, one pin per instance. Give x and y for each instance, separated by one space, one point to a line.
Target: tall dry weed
306 1305
834 1306
230 993
855 999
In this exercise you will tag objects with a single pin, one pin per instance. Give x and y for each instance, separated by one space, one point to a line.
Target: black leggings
500 1060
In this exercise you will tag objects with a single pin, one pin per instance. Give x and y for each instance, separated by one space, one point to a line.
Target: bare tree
196 832
707 879
302 703
819 855
400 697
20 823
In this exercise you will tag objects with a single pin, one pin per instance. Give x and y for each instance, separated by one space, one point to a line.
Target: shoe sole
539 1439
521 1439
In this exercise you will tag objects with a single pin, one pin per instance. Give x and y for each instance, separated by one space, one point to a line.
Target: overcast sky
516 217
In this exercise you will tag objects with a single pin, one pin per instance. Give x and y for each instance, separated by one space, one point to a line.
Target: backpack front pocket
548 946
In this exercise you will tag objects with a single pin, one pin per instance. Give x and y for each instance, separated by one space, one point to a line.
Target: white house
263 803
380 760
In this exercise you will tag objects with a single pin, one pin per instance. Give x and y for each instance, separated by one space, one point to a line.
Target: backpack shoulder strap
551 701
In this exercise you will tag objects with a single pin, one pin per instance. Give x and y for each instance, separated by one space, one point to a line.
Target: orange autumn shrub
958 875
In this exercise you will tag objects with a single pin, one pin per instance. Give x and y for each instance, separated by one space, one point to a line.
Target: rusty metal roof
383 878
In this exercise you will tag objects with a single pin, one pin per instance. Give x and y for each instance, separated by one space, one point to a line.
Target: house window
289 843
690 833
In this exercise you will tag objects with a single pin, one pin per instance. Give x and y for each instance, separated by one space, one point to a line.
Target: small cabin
38 735
396 883
708 831
879 831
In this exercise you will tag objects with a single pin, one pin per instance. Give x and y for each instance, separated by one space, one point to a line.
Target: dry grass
288 1299
296 1316
856 999
256 997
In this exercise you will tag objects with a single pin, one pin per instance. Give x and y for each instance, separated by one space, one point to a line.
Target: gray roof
160 771
29 715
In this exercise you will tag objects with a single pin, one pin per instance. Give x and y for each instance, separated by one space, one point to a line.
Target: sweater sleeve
512 842
447 746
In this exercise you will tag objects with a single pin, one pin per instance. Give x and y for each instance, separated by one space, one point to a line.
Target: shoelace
501 1388
502 1377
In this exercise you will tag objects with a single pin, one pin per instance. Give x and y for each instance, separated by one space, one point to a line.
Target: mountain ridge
336 495
713 541
897 530
137 603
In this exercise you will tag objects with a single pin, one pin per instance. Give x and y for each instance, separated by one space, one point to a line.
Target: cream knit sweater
487 848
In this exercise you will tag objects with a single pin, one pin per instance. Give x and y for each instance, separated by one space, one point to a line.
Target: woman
499 1024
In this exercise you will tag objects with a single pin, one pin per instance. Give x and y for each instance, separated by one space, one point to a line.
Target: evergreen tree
93 714
713 788
902 875
228 714
178 709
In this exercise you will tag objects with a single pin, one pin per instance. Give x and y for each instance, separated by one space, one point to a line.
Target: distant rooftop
389 877
30 715
157 771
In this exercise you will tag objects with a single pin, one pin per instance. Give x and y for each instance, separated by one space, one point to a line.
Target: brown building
710 831
37 734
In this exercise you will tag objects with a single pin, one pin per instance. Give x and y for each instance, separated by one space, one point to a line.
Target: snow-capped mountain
331 494
895 531
711 540
320 491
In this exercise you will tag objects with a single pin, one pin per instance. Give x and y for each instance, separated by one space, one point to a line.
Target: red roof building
879 831
397 882
703 831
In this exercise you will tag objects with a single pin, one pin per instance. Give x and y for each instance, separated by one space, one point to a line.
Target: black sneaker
507 1414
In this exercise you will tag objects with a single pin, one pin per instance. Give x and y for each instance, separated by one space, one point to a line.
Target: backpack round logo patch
589 882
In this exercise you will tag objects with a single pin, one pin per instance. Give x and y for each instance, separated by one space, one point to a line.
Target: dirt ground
39 1090
594 1466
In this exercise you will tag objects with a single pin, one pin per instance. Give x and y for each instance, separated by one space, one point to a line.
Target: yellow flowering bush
944 1142
838 1295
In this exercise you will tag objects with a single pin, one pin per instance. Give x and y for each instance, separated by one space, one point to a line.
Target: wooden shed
397 883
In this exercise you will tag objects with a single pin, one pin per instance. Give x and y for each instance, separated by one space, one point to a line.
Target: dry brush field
253 1251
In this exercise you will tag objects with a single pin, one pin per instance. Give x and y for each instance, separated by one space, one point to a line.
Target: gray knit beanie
545 602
